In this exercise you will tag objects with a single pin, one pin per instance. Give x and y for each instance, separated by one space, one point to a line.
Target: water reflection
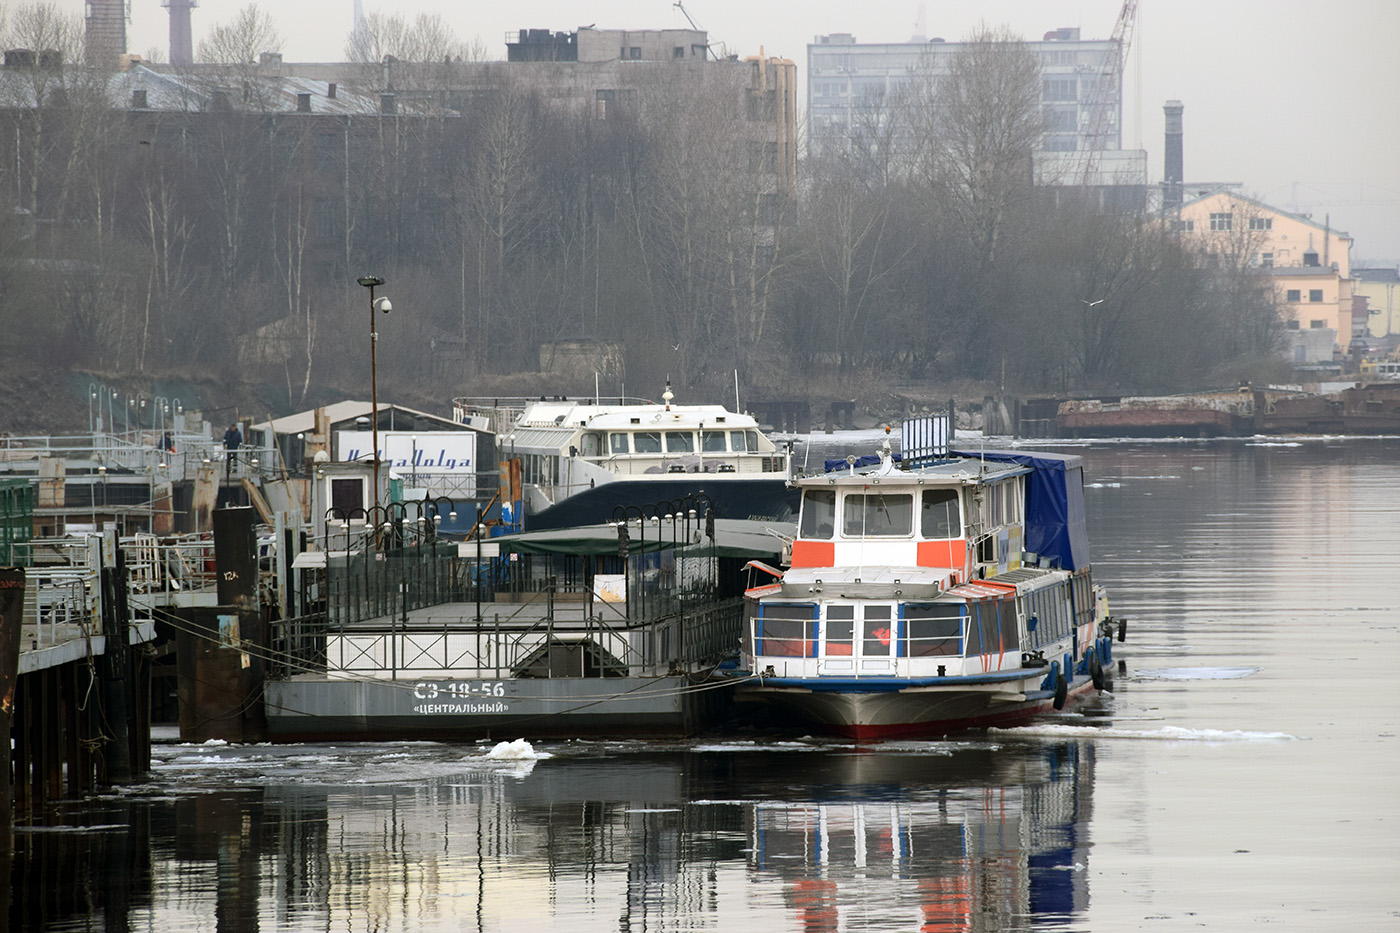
806 835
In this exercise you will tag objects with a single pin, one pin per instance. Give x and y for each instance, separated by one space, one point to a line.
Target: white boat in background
944 591
581 459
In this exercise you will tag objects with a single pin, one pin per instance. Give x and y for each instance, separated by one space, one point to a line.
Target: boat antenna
737 409
596 391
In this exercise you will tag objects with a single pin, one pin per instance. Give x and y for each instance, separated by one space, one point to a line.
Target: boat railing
501 412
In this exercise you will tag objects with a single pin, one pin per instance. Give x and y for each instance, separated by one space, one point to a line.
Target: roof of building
305 421
1376 274
1300 218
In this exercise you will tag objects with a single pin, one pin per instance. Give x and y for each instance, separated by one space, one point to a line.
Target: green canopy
734 537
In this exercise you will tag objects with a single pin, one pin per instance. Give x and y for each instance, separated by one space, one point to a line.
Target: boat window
646 442
751 441
712 441
680 442
876 634
938 519
592 444
785 630
933 630
1010 633
840 629
878 514
818 514
736 441
618 442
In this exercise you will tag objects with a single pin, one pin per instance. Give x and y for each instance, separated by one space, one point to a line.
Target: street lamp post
370 281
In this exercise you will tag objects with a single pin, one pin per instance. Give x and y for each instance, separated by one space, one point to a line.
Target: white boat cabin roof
955 471
578 415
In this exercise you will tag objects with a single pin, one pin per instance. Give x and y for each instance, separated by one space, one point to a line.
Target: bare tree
241 40
976 128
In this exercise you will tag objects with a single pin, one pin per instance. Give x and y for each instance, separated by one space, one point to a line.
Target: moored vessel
579 458
928 593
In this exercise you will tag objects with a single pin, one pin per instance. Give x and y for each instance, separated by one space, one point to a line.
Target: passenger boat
939 591
579 459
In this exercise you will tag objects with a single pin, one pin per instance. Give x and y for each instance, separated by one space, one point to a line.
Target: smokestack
181 43
1172 176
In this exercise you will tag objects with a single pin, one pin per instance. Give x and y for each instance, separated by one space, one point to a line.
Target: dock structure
79 697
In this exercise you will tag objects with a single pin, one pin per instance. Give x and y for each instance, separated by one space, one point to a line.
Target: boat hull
309 709
767 499
912 711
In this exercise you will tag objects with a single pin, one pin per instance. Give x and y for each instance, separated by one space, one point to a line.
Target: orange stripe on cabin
941 554
814 553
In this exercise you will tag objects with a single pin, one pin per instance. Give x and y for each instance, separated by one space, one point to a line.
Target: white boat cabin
914 574
565 446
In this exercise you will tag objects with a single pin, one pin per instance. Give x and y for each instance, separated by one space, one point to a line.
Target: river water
1241 771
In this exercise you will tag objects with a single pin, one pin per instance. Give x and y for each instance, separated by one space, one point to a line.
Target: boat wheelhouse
580 458
948 592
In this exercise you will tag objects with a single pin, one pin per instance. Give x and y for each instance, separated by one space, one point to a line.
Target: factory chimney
181 44
1172 177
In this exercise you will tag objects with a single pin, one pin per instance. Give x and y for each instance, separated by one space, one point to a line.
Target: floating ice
1195 673
1164 734
519 750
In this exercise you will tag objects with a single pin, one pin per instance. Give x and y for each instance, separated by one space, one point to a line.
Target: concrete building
851 85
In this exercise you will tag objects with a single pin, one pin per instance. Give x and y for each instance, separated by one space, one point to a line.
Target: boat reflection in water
816 836
983 839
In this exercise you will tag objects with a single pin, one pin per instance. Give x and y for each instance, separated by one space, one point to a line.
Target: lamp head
369 281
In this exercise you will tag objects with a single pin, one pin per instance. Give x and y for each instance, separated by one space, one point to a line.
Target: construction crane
1105 101
678 5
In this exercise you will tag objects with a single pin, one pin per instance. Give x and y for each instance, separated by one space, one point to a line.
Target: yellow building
1310 262
1381 288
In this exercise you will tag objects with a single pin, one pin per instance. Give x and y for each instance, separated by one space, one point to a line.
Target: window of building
1261 223
1266 260
1061 119
603 101
1317 325
1295 295
1292 325
1184 226
1065 88
1222 221
635 53
1060 143
1314 294
678 52
325 153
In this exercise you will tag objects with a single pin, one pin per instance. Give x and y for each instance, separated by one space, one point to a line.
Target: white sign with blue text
428 452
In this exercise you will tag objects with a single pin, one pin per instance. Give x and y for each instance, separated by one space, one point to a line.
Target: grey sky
1293 98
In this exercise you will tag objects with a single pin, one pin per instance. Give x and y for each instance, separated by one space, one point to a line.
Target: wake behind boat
944 591
581 458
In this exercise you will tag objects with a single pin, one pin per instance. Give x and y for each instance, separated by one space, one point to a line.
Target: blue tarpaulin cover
1055 523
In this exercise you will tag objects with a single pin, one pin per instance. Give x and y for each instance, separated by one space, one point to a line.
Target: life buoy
1096 671
1061 691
